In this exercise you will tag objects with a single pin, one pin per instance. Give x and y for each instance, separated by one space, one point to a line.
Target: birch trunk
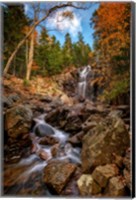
30 61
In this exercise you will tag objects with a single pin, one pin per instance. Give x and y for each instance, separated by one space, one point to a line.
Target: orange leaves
112 25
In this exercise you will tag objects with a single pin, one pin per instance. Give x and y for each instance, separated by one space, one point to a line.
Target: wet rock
55 150
48 140
18 121
116 187
102 174
57 174
108 137
43 155
87 186
44 130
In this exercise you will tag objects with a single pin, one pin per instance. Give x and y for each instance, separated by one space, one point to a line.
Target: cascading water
29 169
82 84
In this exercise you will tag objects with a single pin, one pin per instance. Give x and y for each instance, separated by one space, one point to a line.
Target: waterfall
82 84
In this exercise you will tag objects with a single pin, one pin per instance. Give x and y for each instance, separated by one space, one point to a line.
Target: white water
83 81
35 163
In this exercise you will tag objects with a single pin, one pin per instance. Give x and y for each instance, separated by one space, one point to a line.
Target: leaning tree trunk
30 61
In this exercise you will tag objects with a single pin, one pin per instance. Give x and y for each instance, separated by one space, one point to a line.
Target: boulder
108 137
18 121
87 186
116 187
102 174
57 174
42 130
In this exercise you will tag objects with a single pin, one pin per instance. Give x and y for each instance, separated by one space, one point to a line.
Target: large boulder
108 137
57 174
18 121
87 186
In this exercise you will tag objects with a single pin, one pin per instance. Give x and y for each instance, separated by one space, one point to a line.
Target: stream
25 177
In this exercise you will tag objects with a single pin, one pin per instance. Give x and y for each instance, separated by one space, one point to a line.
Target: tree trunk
30 61
27 48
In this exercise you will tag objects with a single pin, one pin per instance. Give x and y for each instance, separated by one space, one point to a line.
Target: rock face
18 121
102 174
87 186
57 174
108 137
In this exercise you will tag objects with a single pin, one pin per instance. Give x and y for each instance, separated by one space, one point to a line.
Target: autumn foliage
112 44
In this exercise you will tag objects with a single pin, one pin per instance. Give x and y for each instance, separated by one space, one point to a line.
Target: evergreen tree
14 21
81 52
67 51
48 54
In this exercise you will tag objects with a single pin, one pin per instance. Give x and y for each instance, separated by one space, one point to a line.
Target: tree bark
30 61
32 29
27 48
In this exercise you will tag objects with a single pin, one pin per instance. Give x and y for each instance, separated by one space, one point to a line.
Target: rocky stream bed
56 148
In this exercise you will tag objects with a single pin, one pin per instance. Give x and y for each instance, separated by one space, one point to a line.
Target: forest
66 99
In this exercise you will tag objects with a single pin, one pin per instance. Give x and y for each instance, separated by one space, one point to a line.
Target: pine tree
81 52
67 51
14 21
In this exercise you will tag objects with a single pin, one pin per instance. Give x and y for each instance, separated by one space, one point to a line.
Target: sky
59 26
